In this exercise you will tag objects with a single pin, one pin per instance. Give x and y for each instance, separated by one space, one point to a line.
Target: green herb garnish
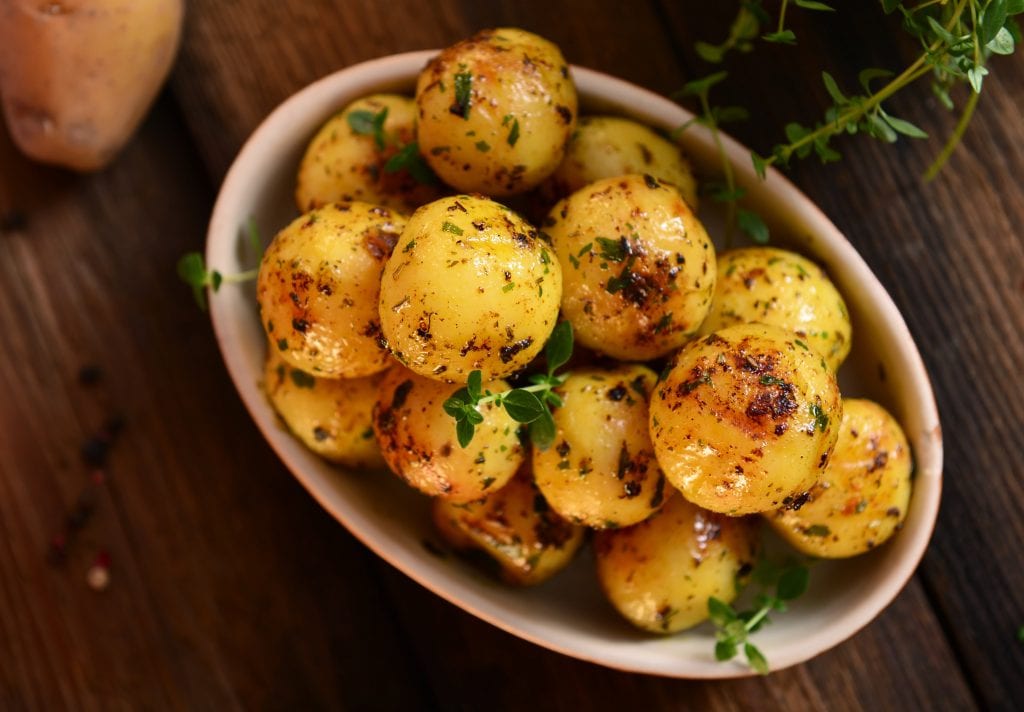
733 628
529 405
409 159
463 94
193 271
368 123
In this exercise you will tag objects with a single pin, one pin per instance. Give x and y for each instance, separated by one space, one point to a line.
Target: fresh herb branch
529 405
957 38
733 628
725 191
193 271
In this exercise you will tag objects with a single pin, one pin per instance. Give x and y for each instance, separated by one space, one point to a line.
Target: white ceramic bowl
569 614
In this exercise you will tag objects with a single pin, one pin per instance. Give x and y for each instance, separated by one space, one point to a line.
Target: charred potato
496 112
418 441
332 417
348 158
470 286
601 470
773 286
638 267
515 527
609 146
318 287
746 419
864 493
660 573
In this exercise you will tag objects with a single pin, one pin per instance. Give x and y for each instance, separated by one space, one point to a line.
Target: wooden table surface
231 588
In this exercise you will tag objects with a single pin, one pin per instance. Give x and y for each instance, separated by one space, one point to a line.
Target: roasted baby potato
515 527
746 419
419 443
863 495
609 146
333 417
470 286
348 158
601 470
638 268
496 111
773 286
660 573
318 287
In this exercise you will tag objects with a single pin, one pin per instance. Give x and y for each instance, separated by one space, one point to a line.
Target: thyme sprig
733 628
724 191
193 271
530 405
957 38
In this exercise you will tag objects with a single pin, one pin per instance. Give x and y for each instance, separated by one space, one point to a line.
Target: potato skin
638 267
496 111
515 527
318 286
864 493
609 146
77 78
660 573
342 165
470 286
418 441
745 420
773 286
601 470
333 417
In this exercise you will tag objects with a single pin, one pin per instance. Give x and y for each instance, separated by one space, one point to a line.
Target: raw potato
470 286
773 286
332 417
609 146
342 164
496 111
318 287
419 444
638 268
77 76
746 419
515 527
601 470
660 573
864 493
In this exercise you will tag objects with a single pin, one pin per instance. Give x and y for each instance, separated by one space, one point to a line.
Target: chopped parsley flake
452 228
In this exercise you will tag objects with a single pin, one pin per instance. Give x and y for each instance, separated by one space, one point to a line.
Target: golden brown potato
660 573
333 417
601 470
746 418
77 77
496 111
863 495
610 146
638 269
469 286
773 286
516 528
419 443
318 286
348 159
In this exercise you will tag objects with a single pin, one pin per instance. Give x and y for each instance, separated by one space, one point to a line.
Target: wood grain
232 589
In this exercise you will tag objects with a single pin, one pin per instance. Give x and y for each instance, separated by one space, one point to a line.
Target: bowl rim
643 105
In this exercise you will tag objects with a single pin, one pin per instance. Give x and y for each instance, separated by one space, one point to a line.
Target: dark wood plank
230 587
876 670
221 107
951 255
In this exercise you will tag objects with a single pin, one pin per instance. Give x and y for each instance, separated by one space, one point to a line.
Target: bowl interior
569 614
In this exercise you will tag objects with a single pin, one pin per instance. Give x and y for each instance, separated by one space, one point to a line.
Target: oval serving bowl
569 614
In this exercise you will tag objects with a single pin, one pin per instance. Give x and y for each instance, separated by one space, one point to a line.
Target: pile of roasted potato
404 275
